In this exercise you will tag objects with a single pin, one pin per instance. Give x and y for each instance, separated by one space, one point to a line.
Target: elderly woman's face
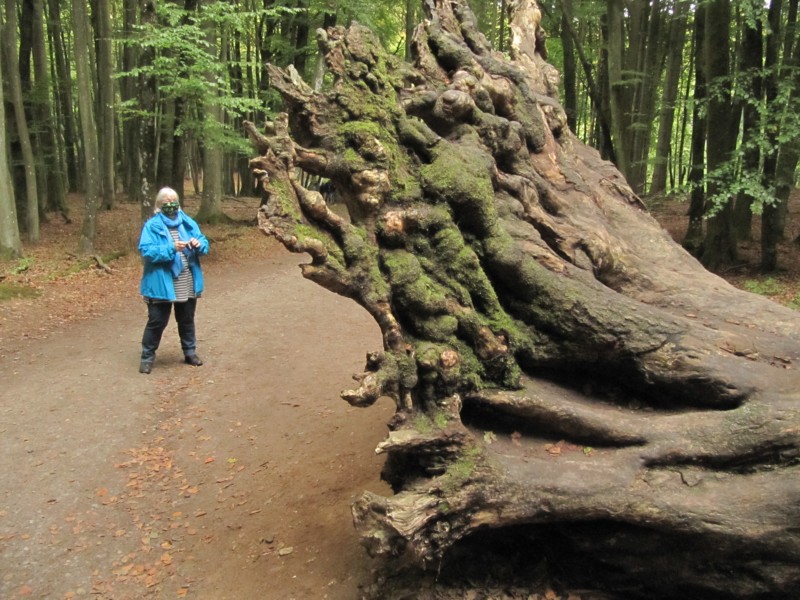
170 207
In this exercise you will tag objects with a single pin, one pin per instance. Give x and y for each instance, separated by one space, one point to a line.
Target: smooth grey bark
618 86
213 155
10 39
693 241
569 73
88 127
106 101
63 94
10 243
54 176
669 96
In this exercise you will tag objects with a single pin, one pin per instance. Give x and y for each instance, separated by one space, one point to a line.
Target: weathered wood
557 361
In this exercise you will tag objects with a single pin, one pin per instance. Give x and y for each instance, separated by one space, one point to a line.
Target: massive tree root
557 361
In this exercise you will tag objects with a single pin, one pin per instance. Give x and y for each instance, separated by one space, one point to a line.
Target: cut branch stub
558 363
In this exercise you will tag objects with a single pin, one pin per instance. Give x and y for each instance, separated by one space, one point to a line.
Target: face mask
170 209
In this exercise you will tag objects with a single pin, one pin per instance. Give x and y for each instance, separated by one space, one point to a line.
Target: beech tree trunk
559 364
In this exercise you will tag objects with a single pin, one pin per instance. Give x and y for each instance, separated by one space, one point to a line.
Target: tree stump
559 364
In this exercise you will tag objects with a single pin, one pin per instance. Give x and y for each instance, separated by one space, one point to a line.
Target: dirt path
232 480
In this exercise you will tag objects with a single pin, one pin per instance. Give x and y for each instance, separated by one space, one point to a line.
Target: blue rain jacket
158 251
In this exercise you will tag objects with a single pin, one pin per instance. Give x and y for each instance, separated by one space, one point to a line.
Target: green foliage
765 287
22 265
13 291
189 65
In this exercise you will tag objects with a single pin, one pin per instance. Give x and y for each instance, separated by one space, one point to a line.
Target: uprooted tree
557 361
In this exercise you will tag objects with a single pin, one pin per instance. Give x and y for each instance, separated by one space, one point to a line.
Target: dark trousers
157 320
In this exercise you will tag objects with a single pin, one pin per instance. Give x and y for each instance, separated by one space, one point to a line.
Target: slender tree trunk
127 90
33 96
771 231
719 246
410 23
680 171
752 56
213 157
598 92
106 95
617 85
23 134
693 241
88 127
301 37
178 175
10 243
146 134
774 218
569 72
650 67
666 120
55 194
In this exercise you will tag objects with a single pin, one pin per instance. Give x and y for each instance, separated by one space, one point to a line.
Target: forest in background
114 99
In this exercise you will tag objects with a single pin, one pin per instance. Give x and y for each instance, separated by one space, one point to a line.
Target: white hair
165 194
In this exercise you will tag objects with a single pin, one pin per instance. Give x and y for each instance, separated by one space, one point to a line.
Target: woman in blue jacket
171 245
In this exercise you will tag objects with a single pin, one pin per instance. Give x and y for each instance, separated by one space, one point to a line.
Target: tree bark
558 363
10 243
88 127
54 176
618 87
751 66
63 93
105 99
15 91
719 243
669 96
569 73
213 156
693 241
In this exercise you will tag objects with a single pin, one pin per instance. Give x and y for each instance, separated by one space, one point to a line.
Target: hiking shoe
192 359
146 366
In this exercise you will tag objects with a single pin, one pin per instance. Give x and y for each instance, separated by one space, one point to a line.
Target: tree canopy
176 79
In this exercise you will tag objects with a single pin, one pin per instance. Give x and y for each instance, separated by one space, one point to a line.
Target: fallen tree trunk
557 361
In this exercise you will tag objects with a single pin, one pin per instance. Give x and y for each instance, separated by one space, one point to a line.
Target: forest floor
228 481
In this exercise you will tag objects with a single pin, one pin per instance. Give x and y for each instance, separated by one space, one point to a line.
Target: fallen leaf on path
209 459
166 558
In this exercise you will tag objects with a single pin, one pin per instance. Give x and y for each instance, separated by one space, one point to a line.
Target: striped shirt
184 283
